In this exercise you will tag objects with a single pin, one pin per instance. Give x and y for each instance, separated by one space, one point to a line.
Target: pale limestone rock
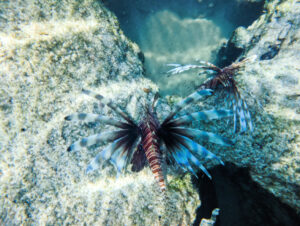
49 51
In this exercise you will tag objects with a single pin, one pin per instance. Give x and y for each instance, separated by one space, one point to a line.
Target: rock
212 220
234 47
271 87
49 51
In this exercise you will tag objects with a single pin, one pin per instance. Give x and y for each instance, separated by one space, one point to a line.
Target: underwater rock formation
212 220
241 200
272 90
49 51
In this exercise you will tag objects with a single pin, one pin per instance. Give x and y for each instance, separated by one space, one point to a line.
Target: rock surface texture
272 89
49 51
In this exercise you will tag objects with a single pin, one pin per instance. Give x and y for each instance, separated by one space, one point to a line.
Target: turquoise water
177 32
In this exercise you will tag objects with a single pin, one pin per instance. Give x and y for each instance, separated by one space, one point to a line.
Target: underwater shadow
241 200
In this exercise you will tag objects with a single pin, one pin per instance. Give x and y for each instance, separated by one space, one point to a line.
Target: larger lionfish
223 79
150 141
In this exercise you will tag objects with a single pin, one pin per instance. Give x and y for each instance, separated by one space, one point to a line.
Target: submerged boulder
272 89
49 51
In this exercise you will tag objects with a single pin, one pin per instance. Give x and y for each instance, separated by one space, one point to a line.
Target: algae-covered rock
272 89
49 51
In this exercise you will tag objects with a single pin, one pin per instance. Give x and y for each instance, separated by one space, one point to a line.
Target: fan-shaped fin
203 115
234 114
95 139
183 157
121 158
88 117
118 159
178 68
248 116
119 152
180 158
121 113
205 171
110 104
198 164
202 135
240 112
94 164
139 159
190 158
103 155
190 99
197 149
95 95
209 65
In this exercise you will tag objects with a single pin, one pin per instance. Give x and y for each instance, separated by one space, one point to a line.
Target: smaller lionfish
223 78
151 142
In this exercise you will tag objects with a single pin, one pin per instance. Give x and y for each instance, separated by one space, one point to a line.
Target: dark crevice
243 13
271 53
241 200
228 54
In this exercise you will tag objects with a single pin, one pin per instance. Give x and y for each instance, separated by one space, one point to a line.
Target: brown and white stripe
151 148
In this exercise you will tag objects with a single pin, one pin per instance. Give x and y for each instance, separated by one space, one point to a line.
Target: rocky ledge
272 89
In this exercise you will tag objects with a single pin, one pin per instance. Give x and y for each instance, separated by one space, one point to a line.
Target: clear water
180 31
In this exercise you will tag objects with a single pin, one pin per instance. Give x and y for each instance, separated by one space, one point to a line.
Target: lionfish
151 142
223 79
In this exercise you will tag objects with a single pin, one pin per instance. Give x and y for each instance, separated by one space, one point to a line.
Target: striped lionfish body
223 79
141 144
150 143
